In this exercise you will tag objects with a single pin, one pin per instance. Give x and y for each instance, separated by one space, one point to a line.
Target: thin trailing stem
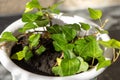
100 22
115 55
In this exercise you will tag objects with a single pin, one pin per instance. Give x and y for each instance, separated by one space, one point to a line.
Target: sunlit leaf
18 56
104 63
31 5
8 36
24 54
95 14
111 43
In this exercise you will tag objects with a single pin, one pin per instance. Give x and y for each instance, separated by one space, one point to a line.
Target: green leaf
83 65
28 55
57 70
68 51
95 14
54 9
8 36
18 56
85 26
27 26
88 47
73 26
34 40
39 13
31 5
112 43
104 63
24 54
59 38
69 33
67 67
54 29
40 50
29 17
27 52
101 58
59 41
42 23
58 46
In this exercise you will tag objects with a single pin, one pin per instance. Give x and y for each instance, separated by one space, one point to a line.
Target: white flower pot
21 74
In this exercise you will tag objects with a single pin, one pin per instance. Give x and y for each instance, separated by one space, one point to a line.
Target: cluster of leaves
76 50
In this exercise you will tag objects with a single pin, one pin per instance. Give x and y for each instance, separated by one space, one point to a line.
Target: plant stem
93 60
100 22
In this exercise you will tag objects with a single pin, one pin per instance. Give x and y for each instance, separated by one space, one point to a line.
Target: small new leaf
31 5
95 14
59 60
24 54
8 36
18 56
40 50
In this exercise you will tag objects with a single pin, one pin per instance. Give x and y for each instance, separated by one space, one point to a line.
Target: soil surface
39 64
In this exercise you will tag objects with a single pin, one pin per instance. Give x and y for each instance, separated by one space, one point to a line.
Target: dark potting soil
39 64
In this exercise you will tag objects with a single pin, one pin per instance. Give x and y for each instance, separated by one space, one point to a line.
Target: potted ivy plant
46 46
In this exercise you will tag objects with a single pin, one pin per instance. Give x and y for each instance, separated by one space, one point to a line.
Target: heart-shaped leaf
95 14
67 67
8 36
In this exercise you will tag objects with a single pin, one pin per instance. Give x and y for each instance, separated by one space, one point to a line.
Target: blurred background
11 10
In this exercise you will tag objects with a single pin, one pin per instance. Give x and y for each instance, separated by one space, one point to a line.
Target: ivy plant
76 50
